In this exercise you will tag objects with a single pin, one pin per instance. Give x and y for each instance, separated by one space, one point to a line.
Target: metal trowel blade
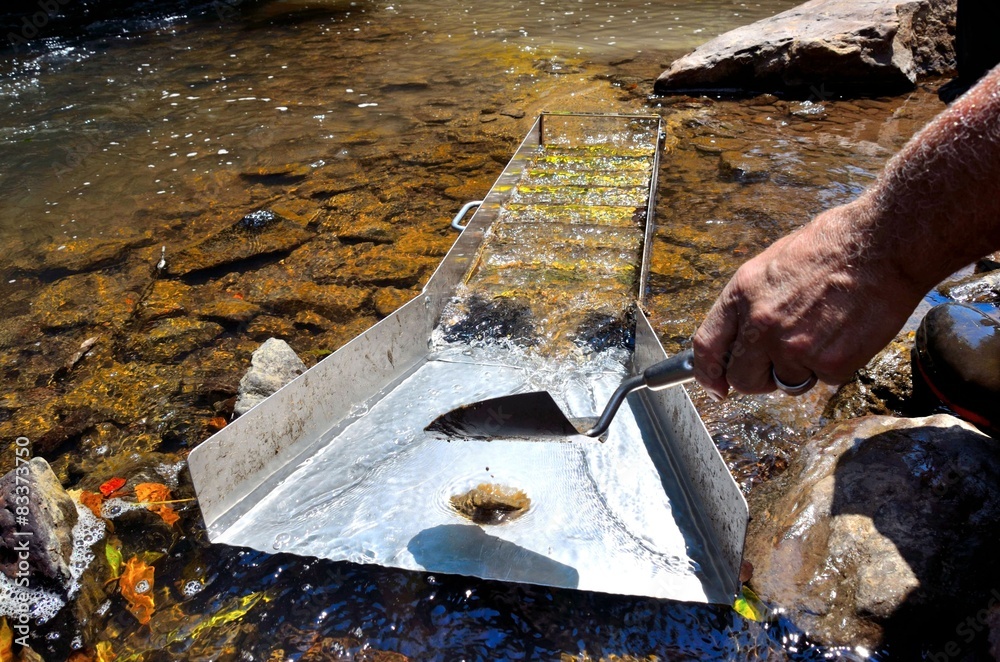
532 415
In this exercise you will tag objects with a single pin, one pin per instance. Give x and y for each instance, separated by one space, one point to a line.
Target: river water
364 126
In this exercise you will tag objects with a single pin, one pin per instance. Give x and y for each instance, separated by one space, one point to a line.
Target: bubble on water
142 586
281 541
37 603
89 529
113 508
169 472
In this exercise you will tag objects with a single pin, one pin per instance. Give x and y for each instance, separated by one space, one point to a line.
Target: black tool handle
675 370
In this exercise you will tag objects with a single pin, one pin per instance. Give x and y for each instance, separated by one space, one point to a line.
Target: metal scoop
536 414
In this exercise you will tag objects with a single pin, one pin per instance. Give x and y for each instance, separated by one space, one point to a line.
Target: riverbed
364 126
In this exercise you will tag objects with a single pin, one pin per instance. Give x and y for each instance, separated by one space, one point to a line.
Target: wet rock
976 288
365 227
884 386
989 262
878 527
17 330
258 233
41 537
389 299
280 292
228 310
310 321
275 175
88 254
744 168
303 212
167 298
268 326
832 46
717 144
273 365
339 336
489 503
84 299
168 339
429 244
381 266
807 110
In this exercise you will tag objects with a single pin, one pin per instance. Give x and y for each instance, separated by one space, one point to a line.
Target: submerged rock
91 298
273 365
824 47
879 527
171 338
261 232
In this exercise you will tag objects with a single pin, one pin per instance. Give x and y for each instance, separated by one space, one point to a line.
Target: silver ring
797 389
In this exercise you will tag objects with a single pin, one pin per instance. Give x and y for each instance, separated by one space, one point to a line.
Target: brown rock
268 326
166 299
744 168
884 386
879 527
228 310
826 47
388 299
258 233
84 299
168 339
275 290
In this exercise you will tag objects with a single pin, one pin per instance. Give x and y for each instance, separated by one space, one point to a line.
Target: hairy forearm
936 205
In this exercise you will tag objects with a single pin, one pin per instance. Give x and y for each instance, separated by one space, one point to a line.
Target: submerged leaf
114 557
104 652
111 486
238 611
155 494
93 501
136 586
6 642
152 492
749 606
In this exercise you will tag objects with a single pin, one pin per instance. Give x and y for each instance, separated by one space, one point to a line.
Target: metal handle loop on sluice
455 222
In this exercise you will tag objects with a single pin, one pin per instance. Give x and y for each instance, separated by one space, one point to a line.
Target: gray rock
46 529
825 47
977 288
273 365
879 528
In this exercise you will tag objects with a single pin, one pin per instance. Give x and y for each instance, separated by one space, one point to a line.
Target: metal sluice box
337 464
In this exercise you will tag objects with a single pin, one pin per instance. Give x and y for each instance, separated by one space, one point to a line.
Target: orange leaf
92 500
136 585
168 514
112 486
146 492
6 642
152 492
217 423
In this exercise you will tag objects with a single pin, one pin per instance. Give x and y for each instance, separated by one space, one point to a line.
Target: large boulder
878 529
824 47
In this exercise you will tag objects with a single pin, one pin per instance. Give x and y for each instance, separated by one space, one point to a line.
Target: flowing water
295 166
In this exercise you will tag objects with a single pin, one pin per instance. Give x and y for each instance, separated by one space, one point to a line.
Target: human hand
820 301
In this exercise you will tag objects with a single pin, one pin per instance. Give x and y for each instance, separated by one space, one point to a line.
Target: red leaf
112 486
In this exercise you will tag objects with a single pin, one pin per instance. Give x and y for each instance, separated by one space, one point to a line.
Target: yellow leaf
104 652
6 642
239 609
136 586
749 606
114 557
